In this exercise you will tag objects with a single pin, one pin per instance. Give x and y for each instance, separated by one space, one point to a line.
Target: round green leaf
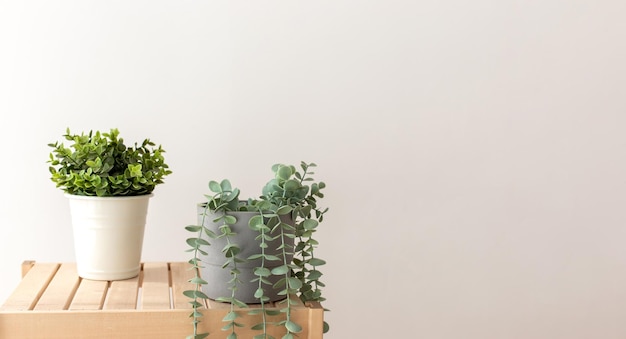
215 187
293 327
280 270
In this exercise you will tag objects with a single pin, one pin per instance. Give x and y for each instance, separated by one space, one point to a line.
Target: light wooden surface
53 302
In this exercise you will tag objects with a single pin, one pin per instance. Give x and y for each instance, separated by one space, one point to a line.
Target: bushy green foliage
293 193
100 164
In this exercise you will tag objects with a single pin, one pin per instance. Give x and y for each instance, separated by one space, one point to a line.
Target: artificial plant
100 164
287 210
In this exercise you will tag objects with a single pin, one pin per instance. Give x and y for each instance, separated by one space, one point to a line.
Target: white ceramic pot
108 235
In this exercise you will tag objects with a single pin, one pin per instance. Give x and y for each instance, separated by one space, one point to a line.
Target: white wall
473 150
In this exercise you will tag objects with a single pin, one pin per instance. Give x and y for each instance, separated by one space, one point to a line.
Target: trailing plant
287 212
100 164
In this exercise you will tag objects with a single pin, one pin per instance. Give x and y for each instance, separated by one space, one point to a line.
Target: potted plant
108 185
258 250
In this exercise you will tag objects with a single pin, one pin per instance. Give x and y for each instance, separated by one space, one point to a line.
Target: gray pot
217 277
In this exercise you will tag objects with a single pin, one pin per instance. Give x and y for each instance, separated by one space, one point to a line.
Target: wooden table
52 302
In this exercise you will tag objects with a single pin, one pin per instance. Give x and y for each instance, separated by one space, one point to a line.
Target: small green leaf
294 283
229 219
230 316
197 280
284 172
197 242
255 311
293 327
262 272
224 299
309 224
225 186
239 303
256 221
284 210
196 304
193 228
258 327
195 294
280 270
215 187
314 275
316 262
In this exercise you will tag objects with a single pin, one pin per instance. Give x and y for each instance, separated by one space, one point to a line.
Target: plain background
473 150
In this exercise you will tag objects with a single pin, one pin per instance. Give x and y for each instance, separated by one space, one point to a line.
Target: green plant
287 210
100 164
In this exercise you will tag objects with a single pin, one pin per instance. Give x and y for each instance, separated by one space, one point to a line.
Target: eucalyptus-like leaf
197 280
262 271
272 312
195 294
197 242
316 262
284 210
256 220
193 228
294 283
230 316
215 187
231 249
255 256
283 172
293 327
314 275
280 270
309 224
194 303
239 303
259 327
229 219
225 186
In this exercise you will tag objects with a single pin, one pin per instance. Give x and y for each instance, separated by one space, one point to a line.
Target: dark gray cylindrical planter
217 277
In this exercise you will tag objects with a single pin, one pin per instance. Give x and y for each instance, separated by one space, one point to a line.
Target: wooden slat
119 324
122 295
131 324
61 289
30 289
316 320
155 286
26 266
145 323
89 295
181 273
